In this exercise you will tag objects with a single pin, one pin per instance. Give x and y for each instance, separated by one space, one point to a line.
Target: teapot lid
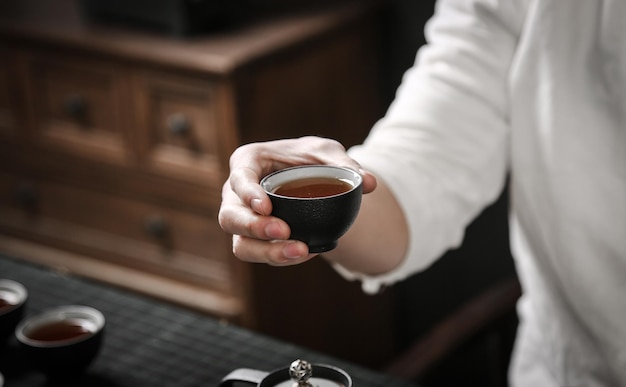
304 374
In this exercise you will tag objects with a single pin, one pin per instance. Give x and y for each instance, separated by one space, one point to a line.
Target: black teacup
318 202
13 297
63 341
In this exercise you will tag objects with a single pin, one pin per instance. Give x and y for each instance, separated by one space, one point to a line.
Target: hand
246 208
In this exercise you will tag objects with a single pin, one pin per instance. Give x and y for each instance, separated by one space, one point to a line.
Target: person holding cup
529 90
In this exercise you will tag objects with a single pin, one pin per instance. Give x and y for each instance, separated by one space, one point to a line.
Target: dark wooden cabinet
114 145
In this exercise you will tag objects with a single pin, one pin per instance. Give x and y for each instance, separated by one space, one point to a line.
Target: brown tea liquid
59 331
313 187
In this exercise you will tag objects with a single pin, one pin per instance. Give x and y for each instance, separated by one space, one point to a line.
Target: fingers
249 163
369 181
235 217
244 183
258 238
265 157
275 253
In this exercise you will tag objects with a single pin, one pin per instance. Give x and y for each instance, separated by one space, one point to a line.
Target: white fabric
537 89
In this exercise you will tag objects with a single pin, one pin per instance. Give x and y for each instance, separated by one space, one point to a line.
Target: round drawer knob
156 226
178 124
75 105
27 195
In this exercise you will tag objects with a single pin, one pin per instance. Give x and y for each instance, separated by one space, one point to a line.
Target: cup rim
358 179
57 314
16 288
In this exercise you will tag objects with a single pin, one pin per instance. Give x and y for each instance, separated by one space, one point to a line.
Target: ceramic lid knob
300 371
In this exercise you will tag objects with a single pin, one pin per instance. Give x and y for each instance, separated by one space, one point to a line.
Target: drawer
8 91
165 241
79 106
177 120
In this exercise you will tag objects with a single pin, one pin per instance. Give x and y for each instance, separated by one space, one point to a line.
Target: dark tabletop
151 343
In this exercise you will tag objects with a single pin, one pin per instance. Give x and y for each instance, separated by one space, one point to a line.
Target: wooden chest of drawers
114 145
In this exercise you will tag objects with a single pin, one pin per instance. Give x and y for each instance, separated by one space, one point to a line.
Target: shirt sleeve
442 147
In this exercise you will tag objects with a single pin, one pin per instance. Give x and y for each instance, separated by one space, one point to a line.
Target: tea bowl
62 342
317 218
13 297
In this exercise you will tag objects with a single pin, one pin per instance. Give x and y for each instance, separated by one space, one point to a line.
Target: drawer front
79 106
179 137
168 242
8 91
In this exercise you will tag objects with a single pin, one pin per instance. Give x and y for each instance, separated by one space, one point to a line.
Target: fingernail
274 231
256 206
292 251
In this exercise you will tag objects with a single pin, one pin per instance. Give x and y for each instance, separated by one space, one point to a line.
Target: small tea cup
318 202
13 297
63 341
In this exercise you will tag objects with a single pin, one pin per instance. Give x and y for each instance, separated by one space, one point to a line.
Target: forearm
378 240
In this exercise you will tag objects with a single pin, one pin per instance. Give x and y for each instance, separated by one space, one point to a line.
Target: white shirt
536 89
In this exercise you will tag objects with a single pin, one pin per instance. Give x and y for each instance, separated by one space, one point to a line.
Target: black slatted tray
151 343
